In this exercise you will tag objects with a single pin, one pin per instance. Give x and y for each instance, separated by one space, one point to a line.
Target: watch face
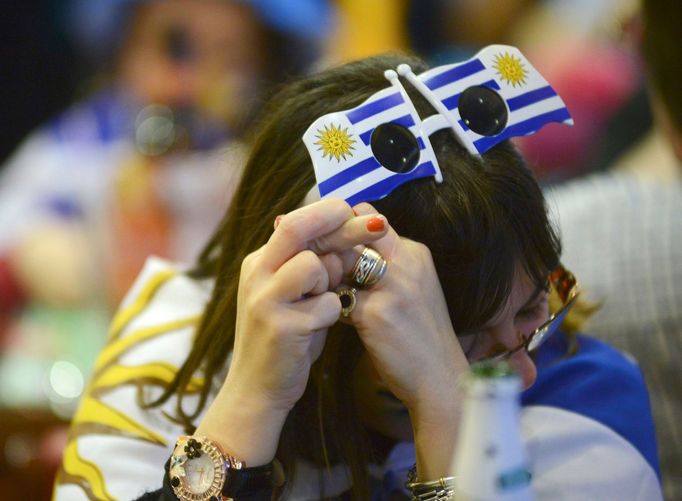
199 474
197 470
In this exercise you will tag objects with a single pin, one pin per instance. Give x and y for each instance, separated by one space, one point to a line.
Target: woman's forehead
523 289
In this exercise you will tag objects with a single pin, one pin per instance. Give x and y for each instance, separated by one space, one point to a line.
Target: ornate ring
347 296
369 268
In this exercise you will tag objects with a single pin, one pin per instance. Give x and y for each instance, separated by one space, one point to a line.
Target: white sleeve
575 458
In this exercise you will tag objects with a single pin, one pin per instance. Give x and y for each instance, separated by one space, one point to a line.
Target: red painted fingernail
278 219
375 224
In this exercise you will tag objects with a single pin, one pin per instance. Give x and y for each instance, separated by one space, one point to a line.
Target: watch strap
250 484
167 493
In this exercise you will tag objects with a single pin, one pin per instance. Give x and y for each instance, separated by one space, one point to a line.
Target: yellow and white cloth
116 448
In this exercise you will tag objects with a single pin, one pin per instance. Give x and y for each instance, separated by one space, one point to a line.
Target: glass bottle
490 461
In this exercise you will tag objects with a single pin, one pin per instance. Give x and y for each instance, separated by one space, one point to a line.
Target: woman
469 263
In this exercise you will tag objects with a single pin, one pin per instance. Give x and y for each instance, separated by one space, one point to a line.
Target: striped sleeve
116 448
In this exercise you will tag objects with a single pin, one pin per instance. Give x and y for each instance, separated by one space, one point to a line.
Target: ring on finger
347 296
369 268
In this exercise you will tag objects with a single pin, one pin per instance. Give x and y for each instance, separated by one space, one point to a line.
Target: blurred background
124 130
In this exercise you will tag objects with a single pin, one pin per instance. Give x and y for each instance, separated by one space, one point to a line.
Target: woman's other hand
404 323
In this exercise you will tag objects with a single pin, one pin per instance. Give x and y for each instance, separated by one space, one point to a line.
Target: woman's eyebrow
492 321
533 296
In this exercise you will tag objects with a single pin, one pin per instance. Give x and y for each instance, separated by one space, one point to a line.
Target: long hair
487 216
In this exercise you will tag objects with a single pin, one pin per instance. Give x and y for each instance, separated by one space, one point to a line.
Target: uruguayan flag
339 145
531 102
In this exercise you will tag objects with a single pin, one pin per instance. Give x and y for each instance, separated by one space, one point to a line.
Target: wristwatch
200 471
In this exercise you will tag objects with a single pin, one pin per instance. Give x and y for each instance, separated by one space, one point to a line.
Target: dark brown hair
486 216
662 47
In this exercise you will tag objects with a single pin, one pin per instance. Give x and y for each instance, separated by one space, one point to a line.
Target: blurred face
203 54
526 309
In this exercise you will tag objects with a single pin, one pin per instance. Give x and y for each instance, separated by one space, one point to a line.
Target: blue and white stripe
360 177
531 104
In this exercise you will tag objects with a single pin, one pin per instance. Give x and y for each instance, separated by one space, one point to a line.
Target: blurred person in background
579 45
571 43
144 163
622 233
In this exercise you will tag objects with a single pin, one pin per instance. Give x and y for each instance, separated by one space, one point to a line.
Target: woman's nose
525 367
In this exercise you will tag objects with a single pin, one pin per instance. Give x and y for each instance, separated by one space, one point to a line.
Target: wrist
435 429
244 426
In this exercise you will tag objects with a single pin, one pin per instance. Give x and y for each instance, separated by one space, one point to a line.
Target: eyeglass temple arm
405 71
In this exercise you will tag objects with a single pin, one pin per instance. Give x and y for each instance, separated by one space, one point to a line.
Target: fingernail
278 219
375 224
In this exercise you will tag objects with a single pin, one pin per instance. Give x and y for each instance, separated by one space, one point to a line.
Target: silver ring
347 296
369 268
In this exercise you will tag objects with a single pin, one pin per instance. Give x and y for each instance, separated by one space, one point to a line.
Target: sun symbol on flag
335 142
511 69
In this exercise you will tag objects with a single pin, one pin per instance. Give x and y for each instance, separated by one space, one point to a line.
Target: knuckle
329 309
333 267
422 250
310 262
375 312
340 205
321 245
255 301
246 262
250 261
292 228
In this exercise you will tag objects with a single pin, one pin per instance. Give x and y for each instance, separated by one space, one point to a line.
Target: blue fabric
600 383
397 465
105 116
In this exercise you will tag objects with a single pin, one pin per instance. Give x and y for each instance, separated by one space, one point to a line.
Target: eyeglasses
566 286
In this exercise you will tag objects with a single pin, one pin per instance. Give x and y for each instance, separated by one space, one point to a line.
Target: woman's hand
284 309
404 323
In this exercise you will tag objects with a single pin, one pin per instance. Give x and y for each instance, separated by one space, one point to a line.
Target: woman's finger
301 275
363 229
334 266
300 227
386 244
318 312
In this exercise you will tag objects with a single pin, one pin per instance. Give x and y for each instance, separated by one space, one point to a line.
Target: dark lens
483 110
395 147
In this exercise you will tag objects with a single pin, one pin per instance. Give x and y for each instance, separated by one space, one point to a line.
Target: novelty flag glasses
364 153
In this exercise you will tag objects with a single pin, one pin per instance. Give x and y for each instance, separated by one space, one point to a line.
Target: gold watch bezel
220 466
